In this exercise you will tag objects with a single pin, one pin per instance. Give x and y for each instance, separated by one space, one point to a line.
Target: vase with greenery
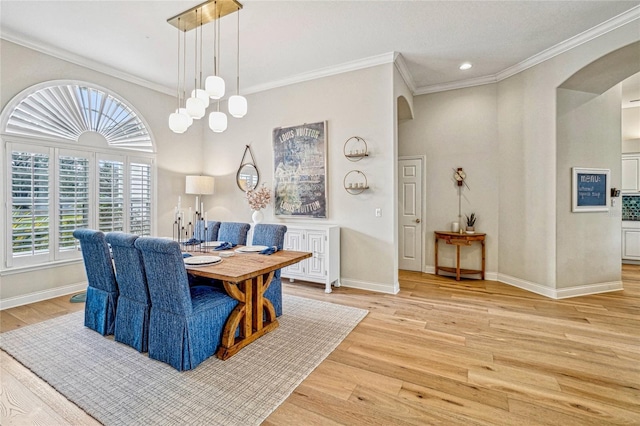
471 221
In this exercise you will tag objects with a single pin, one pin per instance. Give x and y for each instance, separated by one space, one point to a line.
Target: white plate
212 243
226 253
251 249
202 260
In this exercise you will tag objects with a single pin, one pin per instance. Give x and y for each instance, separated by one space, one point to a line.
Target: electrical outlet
378 212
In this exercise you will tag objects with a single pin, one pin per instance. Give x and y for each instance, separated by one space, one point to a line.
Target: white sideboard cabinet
324 265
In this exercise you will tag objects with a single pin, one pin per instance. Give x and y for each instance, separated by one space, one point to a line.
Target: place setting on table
224 249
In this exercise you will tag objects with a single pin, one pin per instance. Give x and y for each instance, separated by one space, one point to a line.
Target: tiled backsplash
631 207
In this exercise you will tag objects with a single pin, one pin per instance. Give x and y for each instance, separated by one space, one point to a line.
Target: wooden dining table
246 276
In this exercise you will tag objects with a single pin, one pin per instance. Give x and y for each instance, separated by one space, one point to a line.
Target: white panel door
410 214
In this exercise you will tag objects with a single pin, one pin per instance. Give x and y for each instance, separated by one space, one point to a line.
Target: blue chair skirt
100 310
132 324
184 342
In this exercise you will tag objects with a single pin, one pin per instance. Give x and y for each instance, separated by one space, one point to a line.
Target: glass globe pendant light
195 106
198 92
214 85
179 122
184 112
238 104
218 120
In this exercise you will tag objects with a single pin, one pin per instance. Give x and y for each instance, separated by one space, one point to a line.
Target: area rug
119 386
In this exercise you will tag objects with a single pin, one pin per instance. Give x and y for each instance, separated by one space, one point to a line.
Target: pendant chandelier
214 86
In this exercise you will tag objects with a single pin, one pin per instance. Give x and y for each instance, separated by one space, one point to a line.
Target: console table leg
436 252
482 242
457 262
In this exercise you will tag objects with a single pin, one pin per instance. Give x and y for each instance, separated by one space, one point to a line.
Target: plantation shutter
140 197
30 175
73 199
111 202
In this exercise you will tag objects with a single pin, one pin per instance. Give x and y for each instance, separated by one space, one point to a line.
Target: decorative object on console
459 177
471 221
300 187
214 86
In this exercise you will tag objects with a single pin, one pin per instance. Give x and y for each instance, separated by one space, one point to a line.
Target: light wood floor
439 352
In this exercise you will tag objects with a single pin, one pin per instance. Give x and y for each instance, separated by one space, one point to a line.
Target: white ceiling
284 41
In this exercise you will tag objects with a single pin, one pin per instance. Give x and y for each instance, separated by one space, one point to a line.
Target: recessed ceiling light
465 66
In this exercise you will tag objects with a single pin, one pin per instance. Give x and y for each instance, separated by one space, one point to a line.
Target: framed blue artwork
300 170
591 190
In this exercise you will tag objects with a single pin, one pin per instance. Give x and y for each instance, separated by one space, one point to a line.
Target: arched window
79 156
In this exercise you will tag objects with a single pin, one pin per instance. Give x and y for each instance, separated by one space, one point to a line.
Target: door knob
417 220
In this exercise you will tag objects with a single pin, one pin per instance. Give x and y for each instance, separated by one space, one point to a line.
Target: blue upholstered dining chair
211 232
132 316
102 292
186 324
271 235
234 232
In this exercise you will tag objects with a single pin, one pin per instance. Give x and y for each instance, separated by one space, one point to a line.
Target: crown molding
573 42
403 69
372 61
82 61
471 82
562 47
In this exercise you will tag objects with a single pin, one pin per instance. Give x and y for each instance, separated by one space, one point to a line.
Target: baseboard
585 290
39 296
563 293
368 285
528 285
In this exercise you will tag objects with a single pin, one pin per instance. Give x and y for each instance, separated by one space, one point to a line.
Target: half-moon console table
459 240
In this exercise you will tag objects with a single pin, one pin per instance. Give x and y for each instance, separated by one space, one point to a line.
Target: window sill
39 267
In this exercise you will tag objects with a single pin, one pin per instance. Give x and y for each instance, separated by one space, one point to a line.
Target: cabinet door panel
316 245
293 240
631 244
631 174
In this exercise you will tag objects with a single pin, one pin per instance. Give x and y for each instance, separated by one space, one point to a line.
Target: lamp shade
214 86
200 185
195 108
178 123
218 121
202 95
237 106
184 112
